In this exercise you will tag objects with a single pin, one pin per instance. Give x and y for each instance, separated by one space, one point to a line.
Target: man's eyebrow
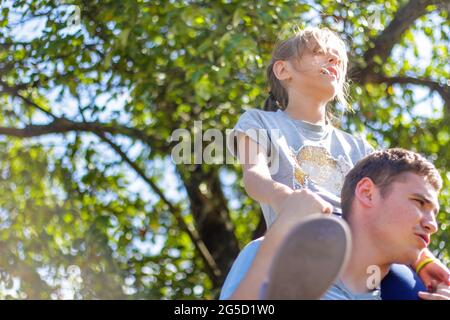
428 201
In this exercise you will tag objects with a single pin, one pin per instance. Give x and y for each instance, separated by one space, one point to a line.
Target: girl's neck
307 108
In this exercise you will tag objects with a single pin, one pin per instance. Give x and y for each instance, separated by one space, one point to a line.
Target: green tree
92 205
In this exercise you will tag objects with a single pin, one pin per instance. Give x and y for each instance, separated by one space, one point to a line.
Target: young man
389 200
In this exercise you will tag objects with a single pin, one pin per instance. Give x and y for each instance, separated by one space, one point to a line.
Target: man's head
392 195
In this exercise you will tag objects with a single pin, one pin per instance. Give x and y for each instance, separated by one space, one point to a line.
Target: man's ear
280 69
365 192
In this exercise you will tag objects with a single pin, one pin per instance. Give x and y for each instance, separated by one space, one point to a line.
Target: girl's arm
430 269
260 186
257 180
291 205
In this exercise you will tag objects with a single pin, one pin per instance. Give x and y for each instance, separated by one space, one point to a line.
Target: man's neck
365 269
307 108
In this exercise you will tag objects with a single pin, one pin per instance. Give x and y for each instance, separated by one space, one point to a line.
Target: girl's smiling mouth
331 71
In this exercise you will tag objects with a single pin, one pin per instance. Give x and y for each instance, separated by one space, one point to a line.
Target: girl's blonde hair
307 40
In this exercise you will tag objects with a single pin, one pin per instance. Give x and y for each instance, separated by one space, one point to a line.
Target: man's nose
429 223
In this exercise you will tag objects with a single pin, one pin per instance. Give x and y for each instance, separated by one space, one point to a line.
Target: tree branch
210 263
404 18
15 92
62 125
443 90
382 46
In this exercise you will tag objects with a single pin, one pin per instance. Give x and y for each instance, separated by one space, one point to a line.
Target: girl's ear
280 69
365 192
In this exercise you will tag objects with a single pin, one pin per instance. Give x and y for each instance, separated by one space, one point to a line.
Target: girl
293 157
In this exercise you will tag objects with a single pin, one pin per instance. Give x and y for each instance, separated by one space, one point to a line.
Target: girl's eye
421 202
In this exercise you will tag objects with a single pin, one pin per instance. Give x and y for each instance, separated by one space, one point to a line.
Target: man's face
405 218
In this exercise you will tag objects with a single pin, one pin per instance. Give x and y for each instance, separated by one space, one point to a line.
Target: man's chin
413 257
409 258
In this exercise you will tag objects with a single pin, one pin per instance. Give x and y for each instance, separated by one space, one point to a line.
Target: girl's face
316 73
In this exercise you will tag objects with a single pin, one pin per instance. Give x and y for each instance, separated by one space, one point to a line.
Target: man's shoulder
338 291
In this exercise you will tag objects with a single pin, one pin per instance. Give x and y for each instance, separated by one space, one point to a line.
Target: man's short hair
383 168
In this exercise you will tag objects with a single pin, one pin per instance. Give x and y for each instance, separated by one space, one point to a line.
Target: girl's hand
440 292
304 202
435 271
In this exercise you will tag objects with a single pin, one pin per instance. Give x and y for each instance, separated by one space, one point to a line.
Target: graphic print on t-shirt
315 164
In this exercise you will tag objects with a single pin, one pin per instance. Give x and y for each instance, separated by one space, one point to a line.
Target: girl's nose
333 58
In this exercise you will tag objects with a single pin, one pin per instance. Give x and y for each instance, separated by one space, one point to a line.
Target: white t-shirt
301 154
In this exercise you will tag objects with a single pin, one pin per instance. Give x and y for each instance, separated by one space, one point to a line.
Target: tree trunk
212 220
